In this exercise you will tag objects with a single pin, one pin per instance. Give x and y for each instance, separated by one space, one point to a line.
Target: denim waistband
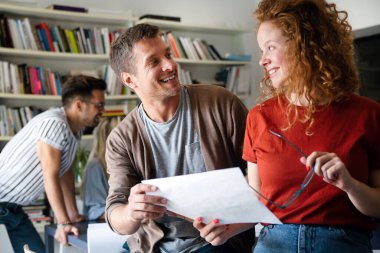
364 230
10 206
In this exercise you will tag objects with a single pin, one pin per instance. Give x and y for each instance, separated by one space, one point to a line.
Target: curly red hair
321 57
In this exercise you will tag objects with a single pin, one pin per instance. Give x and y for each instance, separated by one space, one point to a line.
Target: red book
53 86
49 38
173 45
35 82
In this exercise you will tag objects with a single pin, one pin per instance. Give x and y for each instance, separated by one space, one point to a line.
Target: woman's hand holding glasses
331 168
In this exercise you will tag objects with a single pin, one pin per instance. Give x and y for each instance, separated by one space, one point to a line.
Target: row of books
236 79
20 34
105 72
13 119
23 79
39 213
114 85
191 48
184 76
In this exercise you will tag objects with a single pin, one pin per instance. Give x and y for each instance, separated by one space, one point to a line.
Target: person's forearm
366 199
68 189
55 197
118 218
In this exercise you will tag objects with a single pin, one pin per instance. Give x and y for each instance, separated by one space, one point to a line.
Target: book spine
173 45
46 32
71 41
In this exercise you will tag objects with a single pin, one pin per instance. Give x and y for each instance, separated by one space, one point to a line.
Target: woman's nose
263 60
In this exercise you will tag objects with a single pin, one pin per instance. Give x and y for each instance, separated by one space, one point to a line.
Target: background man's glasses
305 182
97 105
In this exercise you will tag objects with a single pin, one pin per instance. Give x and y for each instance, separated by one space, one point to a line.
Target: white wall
363 15
235 13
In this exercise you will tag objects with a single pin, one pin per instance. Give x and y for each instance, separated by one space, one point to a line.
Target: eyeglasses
305 182
98 106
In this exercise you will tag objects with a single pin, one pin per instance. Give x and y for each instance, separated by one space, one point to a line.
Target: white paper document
220 194
101 239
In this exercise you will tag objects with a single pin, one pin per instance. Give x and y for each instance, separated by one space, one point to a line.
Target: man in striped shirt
40 157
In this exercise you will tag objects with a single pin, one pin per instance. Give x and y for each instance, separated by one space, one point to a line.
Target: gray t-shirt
176 151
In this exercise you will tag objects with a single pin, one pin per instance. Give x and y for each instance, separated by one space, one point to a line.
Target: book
63 39
237 57
46 36
173 44
29 36
113 113
42 42
6 40
14 34
35 83
59 7
21 34
214 51
160 17
71 41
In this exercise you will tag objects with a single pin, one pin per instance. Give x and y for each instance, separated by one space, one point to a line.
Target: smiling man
176 130
40 157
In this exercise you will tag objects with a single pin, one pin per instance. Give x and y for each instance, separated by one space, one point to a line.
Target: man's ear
78 105
128 80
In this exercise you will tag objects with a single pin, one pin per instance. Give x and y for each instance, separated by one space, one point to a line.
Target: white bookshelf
41 55
95 57
59 61
40 13
63 62
47 101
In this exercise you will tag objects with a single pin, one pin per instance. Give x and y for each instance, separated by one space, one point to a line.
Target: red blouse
351 129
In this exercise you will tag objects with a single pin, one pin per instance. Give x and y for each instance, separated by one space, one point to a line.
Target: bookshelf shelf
65 15
86 137
51 55
209 62
96 57
58 98
193 28
48 101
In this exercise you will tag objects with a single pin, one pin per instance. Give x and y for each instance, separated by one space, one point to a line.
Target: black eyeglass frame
305 182
99 106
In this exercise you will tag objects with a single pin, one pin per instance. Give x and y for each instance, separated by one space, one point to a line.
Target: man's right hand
142 206
62 232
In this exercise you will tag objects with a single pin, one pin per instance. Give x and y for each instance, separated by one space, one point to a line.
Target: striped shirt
21 178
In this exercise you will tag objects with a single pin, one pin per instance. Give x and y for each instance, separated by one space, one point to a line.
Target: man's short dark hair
80 86
121 56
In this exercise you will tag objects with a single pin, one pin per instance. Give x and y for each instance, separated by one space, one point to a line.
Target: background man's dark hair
80 86
121 56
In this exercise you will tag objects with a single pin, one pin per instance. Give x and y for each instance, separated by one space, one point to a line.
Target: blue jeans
20 229
295 238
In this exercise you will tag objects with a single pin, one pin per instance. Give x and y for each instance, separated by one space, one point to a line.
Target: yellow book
71 39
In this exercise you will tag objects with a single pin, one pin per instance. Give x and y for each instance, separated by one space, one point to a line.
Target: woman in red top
312 146
312 121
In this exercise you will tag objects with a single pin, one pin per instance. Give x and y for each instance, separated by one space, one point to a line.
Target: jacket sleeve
237 130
